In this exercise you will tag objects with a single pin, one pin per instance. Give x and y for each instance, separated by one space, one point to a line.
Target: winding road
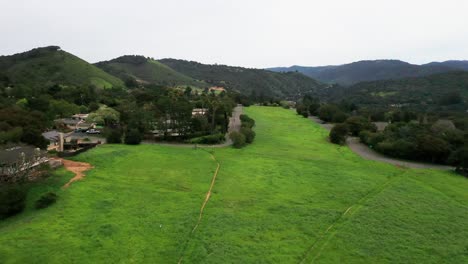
367 153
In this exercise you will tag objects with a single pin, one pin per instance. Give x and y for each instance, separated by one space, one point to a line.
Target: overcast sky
251 33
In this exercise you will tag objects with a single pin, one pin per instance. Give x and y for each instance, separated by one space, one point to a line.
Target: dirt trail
78 168
207 198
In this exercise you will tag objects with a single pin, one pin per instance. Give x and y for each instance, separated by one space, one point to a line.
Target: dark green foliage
133 137
131 68
339 133
209 139
12 200
238 139
46 200
114 136
248 133
356 124
439 92
414 141
259 84
247 121
41 67
331 113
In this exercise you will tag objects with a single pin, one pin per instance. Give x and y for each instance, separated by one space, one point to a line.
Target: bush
247 121
114 136
210 139
238 139
12 200
132 137
46 200
339 133
249 134
357 124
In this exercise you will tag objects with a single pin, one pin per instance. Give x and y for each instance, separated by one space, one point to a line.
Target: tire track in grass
322 241
205 202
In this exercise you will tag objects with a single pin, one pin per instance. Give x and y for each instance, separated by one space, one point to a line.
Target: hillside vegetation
146 70
290 197
45 67
349 74
445 91
253 82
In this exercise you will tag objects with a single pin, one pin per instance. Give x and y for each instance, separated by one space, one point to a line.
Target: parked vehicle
93 131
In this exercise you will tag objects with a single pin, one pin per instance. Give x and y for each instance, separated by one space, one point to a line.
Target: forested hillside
254 82
445 91
139 69
349 74
44 67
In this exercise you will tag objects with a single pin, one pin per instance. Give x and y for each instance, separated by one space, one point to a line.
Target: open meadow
290 197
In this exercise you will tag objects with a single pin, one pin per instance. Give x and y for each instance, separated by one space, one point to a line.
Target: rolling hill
248 81
146 70
44 67
349 74
439 90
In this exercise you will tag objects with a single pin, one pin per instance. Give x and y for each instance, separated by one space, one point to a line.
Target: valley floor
290 197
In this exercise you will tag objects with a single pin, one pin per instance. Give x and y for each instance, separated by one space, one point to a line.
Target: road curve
367 153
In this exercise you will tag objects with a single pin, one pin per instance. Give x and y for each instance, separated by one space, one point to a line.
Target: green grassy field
290 197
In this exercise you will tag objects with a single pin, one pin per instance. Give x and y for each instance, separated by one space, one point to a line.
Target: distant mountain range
32 71
362 71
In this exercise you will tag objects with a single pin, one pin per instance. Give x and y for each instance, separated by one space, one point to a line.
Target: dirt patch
78 168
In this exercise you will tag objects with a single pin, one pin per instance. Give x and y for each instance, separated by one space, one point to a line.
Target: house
19 158
199 112
53 137
75 123
80 117
216 89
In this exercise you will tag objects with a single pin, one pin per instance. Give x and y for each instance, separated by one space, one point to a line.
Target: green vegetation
44 67
436 93
138 69
260 85
361 71
289 197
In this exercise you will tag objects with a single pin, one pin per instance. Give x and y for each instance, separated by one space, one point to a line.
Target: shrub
46 200
247 121
238 139
132 137
114 136
358 123
339 133
12 200
248 133
210 139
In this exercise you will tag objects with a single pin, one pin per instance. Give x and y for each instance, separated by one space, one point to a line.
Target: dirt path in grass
367 153
78 168
207 198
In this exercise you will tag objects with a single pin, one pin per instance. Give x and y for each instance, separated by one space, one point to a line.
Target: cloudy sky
251 33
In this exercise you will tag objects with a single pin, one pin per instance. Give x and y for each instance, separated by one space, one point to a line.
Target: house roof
52 135
12 154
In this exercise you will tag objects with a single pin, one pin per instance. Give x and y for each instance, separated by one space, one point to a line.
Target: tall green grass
290 197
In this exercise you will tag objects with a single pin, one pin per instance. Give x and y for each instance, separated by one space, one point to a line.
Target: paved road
367 153
234 125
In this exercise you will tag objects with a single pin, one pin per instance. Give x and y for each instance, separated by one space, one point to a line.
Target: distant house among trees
199 111
216 89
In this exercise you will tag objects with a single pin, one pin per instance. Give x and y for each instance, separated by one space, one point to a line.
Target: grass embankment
289 197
